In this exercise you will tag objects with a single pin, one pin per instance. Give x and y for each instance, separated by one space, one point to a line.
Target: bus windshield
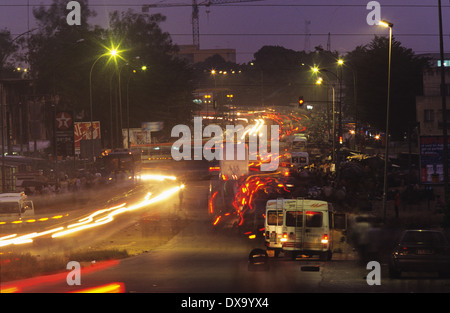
9 207
121 162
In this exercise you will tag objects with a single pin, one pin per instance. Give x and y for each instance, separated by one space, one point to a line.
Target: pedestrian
180 196
439 205
396 202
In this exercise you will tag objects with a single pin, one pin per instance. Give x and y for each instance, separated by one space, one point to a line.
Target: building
429 118
194 55
429 105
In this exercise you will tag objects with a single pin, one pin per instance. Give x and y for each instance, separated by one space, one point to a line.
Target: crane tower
195 13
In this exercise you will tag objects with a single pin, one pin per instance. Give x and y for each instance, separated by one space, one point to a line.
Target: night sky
247 27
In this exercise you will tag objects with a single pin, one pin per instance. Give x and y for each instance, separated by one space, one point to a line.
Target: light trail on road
97 218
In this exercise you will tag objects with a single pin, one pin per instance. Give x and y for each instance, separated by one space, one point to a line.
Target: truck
301 226
15 206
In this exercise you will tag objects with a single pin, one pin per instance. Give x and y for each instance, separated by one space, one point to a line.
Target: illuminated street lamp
143 69
112 53
319 82
386 149
316 70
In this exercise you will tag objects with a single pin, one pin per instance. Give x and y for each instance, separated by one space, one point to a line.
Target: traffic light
300 101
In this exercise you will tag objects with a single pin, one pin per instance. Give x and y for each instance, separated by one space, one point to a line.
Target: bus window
9 207
274 217
294 218
314 219
126 163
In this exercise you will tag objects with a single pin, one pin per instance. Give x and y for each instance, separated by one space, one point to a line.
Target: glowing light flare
254 129
113 52
217 220
211 202
21 285
12 289
87 222
119 210
28 238
108 288
90 218
157 177
243 200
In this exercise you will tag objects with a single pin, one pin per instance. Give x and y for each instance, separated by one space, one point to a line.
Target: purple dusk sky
248 26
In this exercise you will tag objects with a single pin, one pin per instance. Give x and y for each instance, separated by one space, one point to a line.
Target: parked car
420 251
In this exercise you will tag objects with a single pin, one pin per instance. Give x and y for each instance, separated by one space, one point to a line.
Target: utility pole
444 107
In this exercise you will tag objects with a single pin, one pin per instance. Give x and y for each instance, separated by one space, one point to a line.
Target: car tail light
402 250
324 239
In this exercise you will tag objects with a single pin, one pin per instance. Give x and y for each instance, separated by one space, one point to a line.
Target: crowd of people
65 183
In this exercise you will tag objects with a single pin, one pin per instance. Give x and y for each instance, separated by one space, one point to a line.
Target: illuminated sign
446 63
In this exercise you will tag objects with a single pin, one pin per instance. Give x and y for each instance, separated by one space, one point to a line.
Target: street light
386 148
143 69
319 82
355 99
113 53
316 70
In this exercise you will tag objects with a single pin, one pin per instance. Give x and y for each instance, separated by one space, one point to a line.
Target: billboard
82 131
431 159
152 126
138 136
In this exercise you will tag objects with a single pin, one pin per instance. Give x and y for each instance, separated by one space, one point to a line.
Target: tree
370 65
66 58
7 49
57 54
164 93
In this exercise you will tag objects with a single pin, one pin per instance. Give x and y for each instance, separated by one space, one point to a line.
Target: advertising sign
153 126
431 159
138 136
82 131
64 134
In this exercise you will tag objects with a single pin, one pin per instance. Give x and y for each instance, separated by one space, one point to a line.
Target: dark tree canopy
370 65
65 58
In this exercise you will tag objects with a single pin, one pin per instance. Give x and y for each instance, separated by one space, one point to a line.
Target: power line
306 34
169 5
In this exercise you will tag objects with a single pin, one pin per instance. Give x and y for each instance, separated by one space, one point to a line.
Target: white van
299 159
299 143
15 206
300 226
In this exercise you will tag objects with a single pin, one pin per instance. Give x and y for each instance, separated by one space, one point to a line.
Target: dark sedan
420 251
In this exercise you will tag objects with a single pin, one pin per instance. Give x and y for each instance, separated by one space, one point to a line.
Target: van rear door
274 224
315 230
293 232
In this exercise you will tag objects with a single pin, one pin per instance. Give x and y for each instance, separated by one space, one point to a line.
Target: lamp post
317 70
444 109
143 69
386 148
355 98
112 53
319 82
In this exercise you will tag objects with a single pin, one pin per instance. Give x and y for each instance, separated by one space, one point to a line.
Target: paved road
203 260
